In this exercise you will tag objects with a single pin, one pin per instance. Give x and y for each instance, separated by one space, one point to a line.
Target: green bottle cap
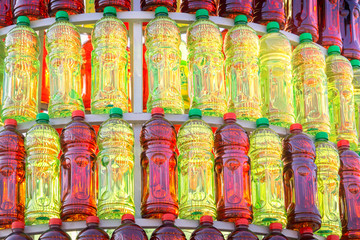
161 11
321 136
116 111
23 20
42 117
262 122
240 19
306 37
109 11
355 63
194 112
62 15
272 27
202 13
334 49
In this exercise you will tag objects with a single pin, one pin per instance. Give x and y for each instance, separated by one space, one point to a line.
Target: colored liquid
267 186
78 144
92 232
12 179
356 84
33 9
70 6
151 5
266 11
21 79
18 234
109 66
300 181
145 81
191 6
163 57
232 8
86 69
45 81
310 88
329 23
54 232
232 172
242 232
159 168
2 70
206 231
241 69
128 230
120 5
6 15
168 231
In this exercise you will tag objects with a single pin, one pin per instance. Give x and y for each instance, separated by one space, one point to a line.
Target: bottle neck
168 222
202 17
344 148
276 231
296 131
157 115
17 230
128 221
42 121
78 118
242 227
115 116
207 224
92 225
54 226
305 41
263 126
195 117
10 127
230 120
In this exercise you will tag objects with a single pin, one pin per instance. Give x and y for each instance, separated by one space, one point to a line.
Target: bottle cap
161 11
202 13
109 11
18 225
55 221
343 143
77 113
62 15
296 126
23 20
92 219
306 230
262 122
333 237
306 37
354 63
195 112
272 27
10 122
240 19
242 221
116 111
333 49
168 217
229 116
42 117
206 218
275 226
321 136
127 217
157 111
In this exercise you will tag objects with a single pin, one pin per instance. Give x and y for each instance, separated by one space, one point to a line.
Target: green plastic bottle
109 61
328 164
341 95
310 86
195 142
163 57
206 66
63 45
42 144
275 77
115 163
356 83
241 69
267 186
21 76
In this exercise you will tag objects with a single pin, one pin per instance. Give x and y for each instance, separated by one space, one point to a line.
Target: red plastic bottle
168 230
232 171
78 144
191 6
151 5
349 191
6 15
159 167
12 177
350 28
128 230
70 6
242 231
18 232
232 8
329 23
306 233
86 50
55 231
45 82
333 237
300 180
92 231
33 9
120 5
206 230
275 232
302 16
266 11
145 81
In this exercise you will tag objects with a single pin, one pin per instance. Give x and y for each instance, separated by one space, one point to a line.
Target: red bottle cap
206 218
127 217
275 226
78 113
10 122
306 230
168 217
18 225
343 143
242 221
333 237
157 111
92 219
296 126
55 221
229 116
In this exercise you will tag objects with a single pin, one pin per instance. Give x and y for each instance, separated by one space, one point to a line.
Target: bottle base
20 114
77 213
157 210
114 211
5 222
196 212
170 106
265 219
40 217
231 215
304 220
63 110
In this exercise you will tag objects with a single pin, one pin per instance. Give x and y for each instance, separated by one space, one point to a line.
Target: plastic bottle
275 232
151 5
232 171
33 9
92 231
266 11
306 233
196 168
86 70
64 62
55 231
242 231
267 185
329 23
6 14
191 6
341 94
45 81
120 5
310 86
356 83
18 232
168 230
129 230
22 69
12 179
206 66
159 167
275 77
232 8
300 180
333 237
328 163
116 167
70 6
302 16
163 57
206 230
42 144
78 145
349 194
2 70
241 70
349 26
109 64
